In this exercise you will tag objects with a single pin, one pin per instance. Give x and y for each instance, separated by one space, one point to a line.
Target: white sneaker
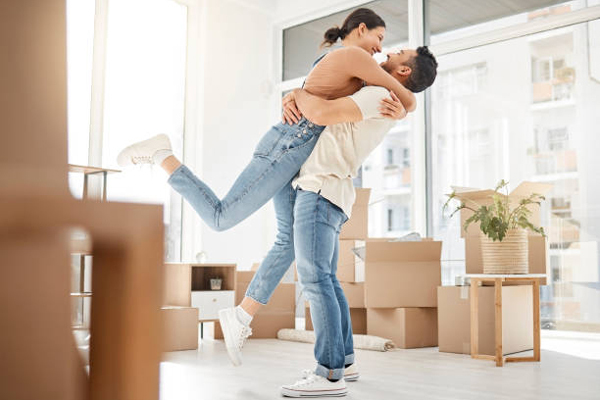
314 385
142 152
350 374
235 334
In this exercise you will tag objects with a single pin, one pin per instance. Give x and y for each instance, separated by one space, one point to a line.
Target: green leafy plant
497 218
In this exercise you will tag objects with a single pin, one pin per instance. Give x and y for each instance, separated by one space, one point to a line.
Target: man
324 199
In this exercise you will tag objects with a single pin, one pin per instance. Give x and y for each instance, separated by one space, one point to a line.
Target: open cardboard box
537 243
477 197
350 267
536 249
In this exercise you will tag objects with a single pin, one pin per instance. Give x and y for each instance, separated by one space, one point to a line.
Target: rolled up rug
364 342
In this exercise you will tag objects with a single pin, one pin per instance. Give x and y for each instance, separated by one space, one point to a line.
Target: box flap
403 251
526 188
475 195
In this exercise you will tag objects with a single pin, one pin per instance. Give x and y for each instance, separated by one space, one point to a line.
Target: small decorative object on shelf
503 225
215 283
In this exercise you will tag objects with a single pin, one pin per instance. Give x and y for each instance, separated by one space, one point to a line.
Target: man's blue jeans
275 162
317 224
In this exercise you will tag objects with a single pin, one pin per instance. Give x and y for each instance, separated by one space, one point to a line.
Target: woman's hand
392 108
291 114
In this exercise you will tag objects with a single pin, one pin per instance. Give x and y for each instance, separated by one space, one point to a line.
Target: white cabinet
210 302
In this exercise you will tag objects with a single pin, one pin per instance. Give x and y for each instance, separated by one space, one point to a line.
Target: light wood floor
403 374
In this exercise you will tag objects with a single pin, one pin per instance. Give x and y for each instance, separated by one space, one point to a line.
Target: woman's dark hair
356 17
423 70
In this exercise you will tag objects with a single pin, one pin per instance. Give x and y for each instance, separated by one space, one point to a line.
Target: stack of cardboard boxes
391 290
279 313
180 321
454 303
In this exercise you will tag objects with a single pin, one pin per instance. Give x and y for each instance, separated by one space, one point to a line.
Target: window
144 81
484 133
301 42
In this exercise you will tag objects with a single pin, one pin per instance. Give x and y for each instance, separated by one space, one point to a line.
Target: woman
277 159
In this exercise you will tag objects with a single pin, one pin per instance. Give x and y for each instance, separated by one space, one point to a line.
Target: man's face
397 59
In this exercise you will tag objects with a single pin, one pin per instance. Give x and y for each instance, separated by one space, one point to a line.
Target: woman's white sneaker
235 334
143 152
313 385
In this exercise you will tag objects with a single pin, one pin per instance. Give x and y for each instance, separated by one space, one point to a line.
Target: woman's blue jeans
316 238
275 162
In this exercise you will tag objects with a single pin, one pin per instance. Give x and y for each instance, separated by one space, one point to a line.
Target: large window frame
419 34
192 104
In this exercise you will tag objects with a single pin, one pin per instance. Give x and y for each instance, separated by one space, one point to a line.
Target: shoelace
142 160
307 372
243 336
310 378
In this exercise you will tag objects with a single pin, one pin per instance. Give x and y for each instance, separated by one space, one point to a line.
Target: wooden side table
87 171
498 281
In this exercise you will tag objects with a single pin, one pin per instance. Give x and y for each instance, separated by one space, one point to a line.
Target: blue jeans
317 224
276 160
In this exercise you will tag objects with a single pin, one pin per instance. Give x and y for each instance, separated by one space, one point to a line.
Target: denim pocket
298 139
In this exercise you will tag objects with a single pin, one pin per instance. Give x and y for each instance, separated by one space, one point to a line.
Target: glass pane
80 43
387 171
145 88
526 109
459 18
301 42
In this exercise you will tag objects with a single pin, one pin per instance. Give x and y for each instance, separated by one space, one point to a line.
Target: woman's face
370 39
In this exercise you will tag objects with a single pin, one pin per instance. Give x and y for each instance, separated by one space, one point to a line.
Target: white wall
238 98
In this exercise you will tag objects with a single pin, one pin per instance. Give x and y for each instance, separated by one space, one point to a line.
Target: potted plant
504 243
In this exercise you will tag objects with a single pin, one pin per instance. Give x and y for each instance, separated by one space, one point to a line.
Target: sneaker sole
316 393
234 355
352 377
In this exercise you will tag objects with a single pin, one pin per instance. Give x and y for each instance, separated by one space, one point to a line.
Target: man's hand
291 114
392 108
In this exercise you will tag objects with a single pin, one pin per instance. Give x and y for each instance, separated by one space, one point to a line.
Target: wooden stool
498 280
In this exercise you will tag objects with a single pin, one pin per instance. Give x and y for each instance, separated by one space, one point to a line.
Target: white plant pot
510 256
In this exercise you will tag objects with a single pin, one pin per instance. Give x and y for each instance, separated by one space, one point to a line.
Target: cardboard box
408 328
180 328
358 316
265 325
476 197
537 255
355 294
350 267
454 319
402 274
357 226
282 299
177 285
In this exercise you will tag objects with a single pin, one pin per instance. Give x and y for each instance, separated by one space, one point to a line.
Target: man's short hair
424 70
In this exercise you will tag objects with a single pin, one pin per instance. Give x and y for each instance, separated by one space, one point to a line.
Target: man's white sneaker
314 385
143 152
350 374
235 334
